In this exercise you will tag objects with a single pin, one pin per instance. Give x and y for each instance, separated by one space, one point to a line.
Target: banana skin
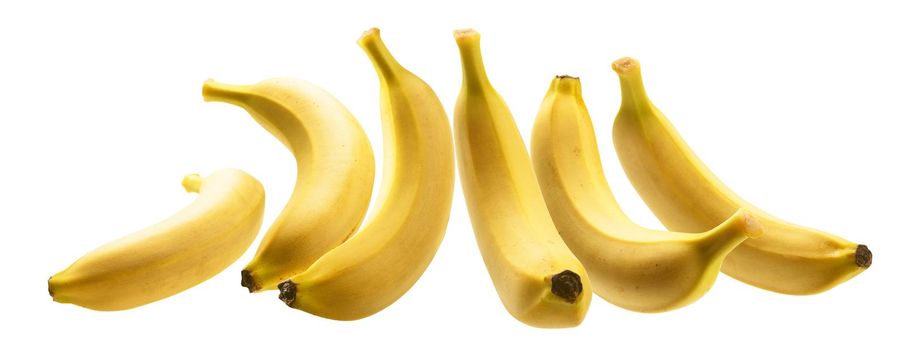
193 245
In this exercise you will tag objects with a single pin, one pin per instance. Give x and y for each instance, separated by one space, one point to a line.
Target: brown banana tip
566 76
567 285
50 287
248 281
863 256
287 292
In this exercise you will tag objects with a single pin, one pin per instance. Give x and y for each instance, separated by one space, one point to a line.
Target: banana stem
377 52
220 92
568 85
473 73
722 239
635 99
192 183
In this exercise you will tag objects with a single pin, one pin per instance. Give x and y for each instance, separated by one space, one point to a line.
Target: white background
799 108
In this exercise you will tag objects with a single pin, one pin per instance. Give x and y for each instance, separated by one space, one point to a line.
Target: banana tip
287 292
863 256
50 288
248 281
567 285
625 65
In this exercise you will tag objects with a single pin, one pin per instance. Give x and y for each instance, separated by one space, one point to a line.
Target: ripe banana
686 196
377 265
630 266
334 179
536 276
180 252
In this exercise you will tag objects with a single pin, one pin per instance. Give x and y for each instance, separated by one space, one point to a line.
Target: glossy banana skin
176 254
630 266
538 279
377 265
686 196
334 178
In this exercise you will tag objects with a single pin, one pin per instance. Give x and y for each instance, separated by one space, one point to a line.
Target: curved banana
686 196
176 254
377 265
536 276
630 266
334 179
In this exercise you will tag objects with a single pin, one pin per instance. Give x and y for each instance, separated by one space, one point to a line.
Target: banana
630 266
377 265
538 279
182 251
334 179
686 196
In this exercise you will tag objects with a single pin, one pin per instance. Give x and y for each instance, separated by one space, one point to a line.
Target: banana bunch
317 252
546 224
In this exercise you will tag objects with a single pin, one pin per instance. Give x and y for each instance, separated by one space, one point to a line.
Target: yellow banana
630 266
686 196
378 264
182 251
334 179
536 276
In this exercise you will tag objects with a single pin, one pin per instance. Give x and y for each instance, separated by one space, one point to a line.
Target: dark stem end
567 285
50 287
863 256
249 282
287 292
